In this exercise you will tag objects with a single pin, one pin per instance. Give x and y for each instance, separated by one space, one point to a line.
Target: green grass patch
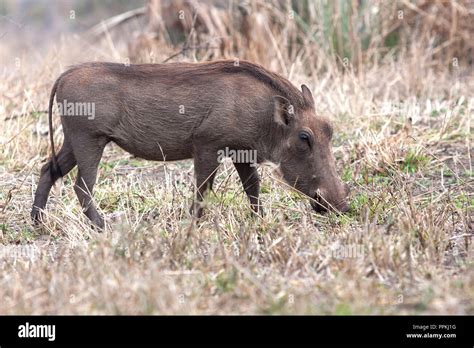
227 280
414 162
464 201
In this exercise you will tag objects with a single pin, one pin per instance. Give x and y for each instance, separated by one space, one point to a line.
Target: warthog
182 110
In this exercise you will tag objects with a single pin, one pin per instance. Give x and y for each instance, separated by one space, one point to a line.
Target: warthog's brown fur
178 111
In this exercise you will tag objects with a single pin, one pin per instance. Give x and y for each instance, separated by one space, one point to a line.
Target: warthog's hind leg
66 162
88 152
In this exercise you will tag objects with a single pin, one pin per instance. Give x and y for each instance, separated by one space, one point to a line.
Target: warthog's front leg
251 183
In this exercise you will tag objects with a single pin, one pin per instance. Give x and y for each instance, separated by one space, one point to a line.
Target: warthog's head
307 162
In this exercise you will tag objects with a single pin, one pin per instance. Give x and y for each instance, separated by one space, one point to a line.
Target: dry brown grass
403 142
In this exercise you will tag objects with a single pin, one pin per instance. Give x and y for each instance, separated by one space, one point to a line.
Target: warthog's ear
283 111
308 97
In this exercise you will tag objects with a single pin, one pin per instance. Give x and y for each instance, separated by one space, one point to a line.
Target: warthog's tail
55 170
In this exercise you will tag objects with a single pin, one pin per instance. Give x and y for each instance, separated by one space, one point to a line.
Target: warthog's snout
324 201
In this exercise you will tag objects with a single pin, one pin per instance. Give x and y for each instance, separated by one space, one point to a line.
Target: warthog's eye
304 136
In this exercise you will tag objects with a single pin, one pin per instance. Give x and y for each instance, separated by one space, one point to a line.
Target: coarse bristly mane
281 85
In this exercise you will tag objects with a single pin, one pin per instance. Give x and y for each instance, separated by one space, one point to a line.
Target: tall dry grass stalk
351 33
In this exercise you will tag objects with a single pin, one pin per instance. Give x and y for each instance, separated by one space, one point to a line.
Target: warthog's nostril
318 206
318 203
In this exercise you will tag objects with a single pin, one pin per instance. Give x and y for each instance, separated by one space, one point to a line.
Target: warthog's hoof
36 216
98 224
196 210
258 210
